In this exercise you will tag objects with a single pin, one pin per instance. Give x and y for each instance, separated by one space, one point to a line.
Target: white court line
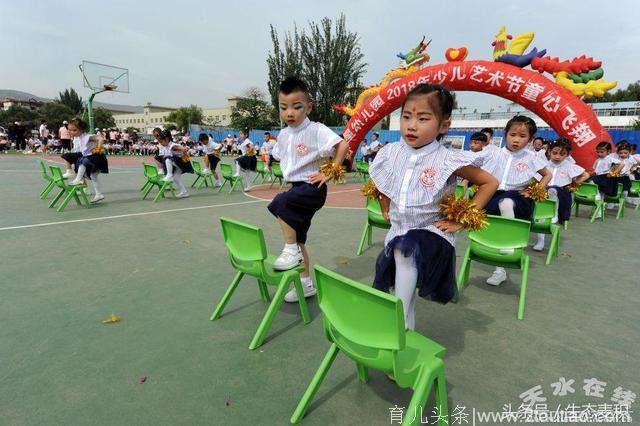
93 219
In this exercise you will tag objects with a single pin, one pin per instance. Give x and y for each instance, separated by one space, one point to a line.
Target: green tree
71 99
252 111
636 124
185 116
18 113
55 113
327 57
102 118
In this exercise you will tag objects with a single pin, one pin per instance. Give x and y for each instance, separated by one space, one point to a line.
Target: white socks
506 206
540 244
405 286
292 248
177 181
81 171
553 195
96 184
169 165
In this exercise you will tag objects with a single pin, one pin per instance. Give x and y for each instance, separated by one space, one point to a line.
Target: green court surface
163 267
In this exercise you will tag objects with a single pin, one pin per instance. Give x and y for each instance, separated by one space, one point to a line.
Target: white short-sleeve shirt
212 146
84 144
416 180
301 149
563 174
514 170
245 145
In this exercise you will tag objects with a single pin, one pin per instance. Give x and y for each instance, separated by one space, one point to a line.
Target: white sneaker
287 260
218 184
77 181
168 178
69 173
206 171
554 220
248 189
292 296
161 172
539 246
98 197
498 277
182 195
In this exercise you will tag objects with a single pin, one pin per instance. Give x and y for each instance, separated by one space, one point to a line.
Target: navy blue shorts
434 258
72 158
297 206
213 161
523 206
248 163
94 163
606 184
564 203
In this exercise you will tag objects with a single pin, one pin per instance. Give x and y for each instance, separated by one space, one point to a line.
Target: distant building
6 103
611 115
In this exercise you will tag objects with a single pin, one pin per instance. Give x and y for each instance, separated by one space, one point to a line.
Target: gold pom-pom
464 212
370 190
251 152
592 174
216 152
185 157
536 191
614 173
335 172
98 150
572 187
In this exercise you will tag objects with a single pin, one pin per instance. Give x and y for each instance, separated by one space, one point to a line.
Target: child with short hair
601 169
211 151
563 173
515 167
413 176
477 142
92 161
301 148
176 161
247 162
625 164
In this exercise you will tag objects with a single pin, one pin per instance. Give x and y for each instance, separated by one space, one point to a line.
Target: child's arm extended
583 177
100 140
385 202
487 186
341 150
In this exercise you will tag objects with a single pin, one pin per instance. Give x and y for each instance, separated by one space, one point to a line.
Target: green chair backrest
150 171
503 233
543 213
43 169
196 166
587 191
227 170
56 174
259 166
275 168
244 242
359 314
635 187
459 191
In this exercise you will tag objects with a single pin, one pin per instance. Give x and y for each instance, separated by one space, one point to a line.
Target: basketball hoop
108 87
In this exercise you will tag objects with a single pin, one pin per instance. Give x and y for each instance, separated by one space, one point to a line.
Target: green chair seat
155 180
374 220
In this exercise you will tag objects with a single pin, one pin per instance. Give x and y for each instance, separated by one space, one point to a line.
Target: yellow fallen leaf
343 262
186 241
112 319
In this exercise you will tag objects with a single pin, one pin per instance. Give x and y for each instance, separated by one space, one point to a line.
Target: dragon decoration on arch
582 76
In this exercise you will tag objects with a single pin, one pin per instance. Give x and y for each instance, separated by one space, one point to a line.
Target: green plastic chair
367 325
374 220
227 176
543 213
362 168
67 190
276 170
587 195
50 181
201 177
486 245
616 199
154 179
459 191
634 191
262 171
248 255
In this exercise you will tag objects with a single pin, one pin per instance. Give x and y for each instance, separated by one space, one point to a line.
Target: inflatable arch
567 114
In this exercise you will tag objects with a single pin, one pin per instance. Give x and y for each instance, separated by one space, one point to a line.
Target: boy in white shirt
301 148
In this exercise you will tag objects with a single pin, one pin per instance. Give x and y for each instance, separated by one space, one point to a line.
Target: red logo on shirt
301 150
521 166
428 178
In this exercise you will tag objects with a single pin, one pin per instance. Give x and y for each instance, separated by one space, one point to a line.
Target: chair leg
620 213
57 197
47 190
227 295
441 398
553 247
523 287
85 200
66 200
264 326
316 381
160 193
577 207
363 374
264 293
144 187
195 181
463 277
421 391
362 239
224 182
147 190
302 301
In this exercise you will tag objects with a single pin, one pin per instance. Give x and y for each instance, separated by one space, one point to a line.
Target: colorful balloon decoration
558 102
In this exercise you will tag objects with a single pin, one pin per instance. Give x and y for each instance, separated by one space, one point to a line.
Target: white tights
405 286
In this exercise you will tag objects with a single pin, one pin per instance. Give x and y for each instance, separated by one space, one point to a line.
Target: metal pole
90 112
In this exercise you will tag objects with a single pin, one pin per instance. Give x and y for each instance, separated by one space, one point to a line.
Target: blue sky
186 52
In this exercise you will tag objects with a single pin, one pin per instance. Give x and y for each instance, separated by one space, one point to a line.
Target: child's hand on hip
318 178
448 226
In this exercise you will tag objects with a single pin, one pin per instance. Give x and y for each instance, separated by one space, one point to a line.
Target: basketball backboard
101 77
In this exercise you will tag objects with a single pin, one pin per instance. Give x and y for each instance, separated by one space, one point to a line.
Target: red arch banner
567 114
